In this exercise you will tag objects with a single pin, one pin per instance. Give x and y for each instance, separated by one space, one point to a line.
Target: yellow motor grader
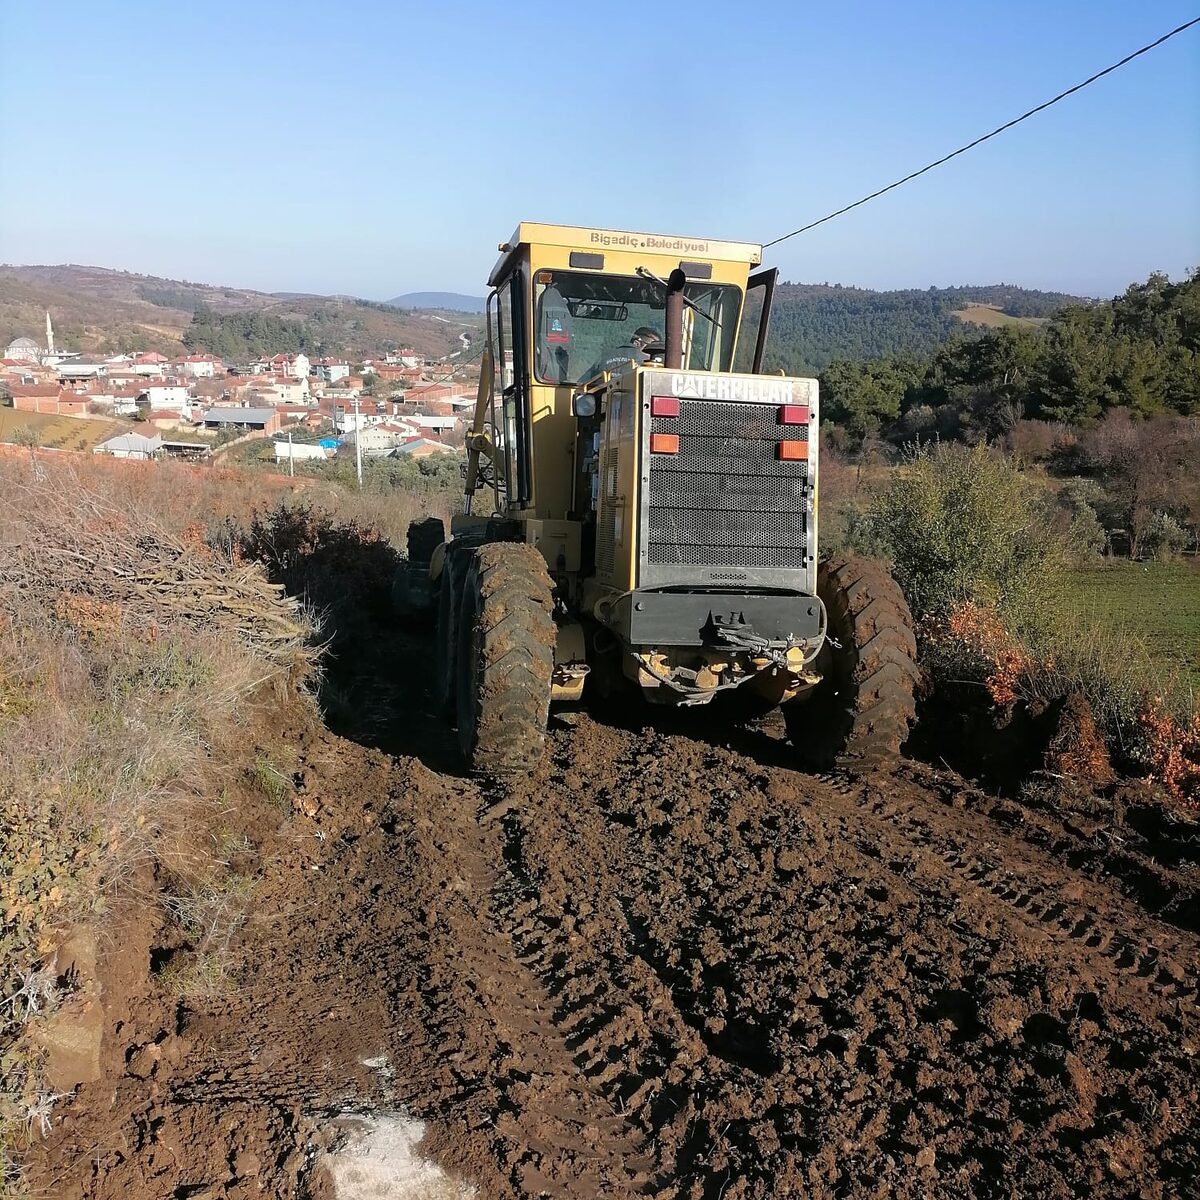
641 514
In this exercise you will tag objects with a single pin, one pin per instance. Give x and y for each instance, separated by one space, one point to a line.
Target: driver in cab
633 349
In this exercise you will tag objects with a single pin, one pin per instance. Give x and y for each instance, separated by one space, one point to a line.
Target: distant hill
815 323
450 301
95 308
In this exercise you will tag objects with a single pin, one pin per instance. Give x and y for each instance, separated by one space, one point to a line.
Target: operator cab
572 308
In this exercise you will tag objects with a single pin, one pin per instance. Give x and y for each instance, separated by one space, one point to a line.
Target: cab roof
579 237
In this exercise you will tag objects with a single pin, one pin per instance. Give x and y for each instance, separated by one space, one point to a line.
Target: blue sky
379 148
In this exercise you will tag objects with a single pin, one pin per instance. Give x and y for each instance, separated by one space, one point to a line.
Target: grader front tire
860 715
506 636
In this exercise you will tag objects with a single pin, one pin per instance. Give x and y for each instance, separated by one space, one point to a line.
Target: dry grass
992 317
132 660
58 433
139 638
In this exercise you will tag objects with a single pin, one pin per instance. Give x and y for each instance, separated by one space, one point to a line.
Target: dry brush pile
132 657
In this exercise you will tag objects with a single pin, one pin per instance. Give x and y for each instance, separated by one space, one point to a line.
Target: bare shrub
344 570
1038 441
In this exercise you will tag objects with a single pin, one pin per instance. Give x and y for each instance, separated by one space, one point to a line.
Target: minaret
49 334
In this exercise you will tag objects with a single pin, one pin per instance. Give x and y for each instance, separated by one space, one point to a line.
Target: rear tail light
793 414
664 406
664 443
791 451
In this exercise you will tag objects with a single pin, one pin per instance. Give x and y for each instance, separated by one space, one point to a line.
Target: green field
1159 601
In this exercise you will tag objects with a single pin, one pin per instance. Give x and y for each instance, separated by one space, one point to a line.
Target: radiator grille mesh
725 499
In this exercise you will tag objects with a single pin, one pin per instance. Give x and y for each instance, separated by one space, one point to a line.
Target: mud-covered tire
424 537
412 597
445 648
860 714
506 637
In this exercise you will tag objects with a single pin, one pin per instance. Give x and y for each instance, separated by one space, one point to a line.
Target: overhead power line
998 130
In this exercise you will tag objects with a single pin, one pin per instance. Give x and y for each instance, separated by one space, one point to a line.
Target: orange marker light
791 451
793 414
664 406
664 443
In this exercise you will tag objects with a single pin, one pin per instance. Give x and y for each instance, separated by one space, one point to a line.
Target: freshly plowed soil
671 966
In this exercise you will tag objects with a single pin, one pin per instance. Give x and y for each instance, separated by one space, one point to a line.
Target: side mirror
583 404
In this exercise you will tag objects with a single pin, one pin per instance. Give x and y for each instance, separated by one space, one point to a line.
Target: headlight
583 404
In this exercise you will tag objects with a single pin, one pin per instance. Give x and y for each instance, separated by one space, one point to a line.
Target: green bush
1164 539
1085 533
963 525
980 549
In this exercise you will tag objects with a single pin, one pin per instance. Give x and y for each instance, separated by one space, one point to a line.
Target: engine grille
607 517
725 499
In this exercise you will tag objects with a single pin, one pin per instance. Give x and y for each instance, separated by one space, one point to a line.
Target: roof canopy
578 237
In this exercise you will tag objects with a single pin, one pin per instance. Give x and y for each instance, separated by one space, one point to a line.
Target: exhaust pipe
673 358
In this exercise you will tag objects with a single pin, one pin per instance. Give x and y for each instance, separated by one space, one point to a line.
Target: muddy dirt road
666 966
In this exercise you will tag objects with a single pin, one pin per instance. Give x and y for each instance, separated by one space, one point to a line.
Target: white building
299 450
440 424
350 420
81 369
131 445
333 371
23 349
199 366
174 396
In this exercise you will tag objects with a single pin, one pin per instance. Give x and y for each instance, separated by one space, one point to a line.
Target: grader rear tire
445 648
506 637
860 714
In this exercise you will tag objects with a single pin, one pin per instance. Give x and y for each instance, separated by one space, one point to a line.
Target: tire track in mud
786 1003
662 968
555 1133
1156 958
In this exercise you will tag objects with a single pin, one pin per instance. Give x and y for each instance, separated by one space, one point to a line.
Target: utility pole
358 442
291 460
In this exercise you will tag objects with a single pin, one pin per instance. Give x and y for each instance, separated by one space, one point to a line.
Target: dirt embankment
667 966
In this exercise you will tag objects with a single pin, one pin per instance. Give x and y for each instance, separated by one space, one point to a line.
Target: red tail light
664 406
664 443
791 451
793 414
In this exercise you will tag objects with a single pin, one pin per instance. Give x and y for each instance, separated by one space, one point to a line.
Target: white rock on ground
376 1158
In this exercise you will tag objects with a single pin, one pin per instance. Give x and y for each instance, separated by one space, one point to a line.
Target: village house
165 395
308 415
50 398
168 419
81 369
432 422
332 369
131 445
242 419
380 438
423 393
423 447
397 373
271 389
295 365
201 366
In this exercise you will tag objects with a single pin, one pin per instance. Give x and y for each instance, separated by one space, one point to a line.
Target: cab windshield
585 323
